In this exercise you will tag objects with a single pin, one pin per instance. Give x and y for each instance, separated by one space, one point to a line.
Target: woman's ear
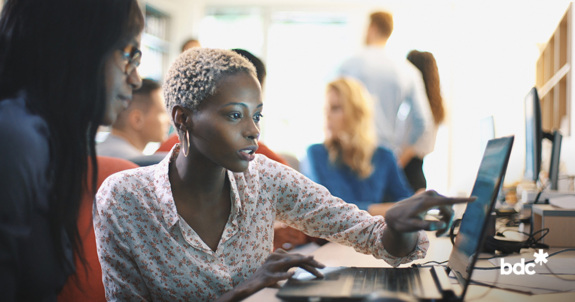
181 117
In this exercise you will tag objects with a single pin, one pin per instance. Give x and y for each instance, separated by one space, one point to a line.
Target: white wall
185 15
486 51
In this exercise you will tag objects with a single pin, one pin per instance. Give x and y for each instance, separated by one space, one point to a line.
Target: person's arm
23 185
420 114
406 217
400 238
405 156
311 208
120 275
15 212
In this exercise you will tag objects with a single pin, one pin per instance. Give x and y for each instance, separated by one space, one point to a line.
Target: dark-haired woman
412 158
66 67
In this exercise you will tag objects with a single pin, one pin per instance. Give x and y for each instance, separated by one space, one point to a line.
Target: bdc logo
521 268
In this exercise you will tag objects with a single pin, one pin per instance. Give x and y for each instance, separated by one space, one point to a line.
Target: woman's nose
134 79
253 131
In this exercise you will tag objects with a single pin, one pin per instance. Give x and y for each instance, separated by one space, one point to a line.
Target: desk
332 254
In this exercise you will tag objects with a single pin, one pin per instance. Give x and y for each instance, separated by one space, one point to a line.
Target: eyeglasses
132 55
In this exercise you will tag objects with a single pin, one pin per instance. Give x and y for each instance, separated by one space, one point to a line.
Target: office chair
86 284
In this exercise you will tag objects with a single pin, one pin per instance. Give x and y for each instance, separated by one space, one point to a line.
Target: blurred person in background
190 43
412 157
144 121
349 163
396 86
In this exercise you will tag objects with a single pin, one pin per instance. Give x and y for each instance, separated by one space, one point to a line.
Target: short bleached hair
194 75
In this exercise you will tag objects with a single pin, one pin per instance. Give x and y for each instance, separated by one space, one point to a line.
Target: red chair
86 284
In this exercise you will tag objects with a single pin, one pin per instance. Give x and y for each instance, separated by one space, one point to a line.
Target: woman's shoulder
126 190
317 149
383 151
134 179
383 156
21 130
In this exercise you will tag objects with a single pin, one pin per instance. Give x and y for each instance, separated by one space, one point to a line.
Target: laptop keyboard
367 280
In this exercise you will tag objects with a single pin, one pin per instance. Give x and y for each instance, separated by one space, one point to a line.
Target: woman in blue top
349 162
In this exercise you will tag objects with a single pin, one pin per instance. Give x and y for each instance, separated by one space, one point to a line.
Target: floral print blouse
148 252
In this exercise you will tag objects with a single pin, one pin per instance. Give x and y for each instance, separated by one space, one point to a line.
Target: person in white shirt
145 120
396 86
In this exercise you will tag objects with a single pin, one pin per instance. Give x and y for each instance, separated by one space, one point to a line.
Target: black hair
258 64
56 51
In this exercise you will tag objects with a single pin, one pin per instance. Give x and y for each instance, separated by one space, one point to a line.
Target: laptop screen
470 237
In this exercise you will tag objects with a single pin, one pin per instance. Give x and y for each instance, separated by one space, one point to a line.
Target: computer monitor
487 133
534 136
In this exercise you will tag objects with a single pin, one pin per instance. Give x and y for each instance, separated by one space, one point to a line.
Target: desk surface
333 254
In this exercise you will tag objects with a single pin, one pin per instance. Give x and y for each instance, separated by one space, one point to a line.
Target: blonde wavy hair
355 144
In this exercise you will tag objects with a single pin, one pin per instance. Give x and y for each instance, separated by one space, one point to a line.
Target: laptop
423 282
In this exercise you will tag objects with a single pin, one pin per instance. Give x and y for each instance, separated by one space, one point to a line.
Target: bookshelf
155 44
554 77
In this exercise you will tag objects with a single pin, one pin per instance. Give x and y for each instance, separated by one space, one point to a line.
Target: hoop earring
186 143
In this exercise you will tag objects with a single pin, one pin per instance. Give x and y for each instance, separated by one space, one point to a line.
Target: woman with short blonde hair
199 225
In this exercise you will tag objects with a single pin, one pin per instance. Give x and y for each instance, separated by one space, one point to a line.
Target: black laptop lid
473 224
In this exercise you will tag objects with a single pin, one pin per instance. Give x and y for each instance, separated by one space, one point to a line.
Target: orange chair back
86 284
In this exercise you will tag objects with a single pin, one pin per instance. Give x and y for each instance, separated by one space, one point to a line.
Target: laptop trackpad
330 273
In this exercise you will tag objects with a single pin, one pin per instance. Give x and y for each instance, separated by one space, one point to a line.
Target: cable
536 201
543 188
494 284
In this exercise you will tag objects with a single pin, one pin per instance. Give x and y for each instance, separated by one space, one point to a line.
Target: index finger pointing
441 201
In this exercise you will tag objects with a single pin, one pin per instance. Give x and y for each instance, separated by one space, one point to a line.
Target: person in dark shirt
66 67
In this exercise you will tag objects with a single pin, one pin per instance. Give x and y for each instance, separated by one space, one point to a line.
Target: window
296 73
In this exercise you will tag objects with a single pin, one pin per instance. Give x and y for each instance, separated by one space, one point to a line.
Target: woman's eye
235 115
258 117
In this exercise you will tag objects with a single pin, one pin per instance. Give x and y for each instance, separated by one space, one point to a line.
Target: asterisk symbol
540 257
